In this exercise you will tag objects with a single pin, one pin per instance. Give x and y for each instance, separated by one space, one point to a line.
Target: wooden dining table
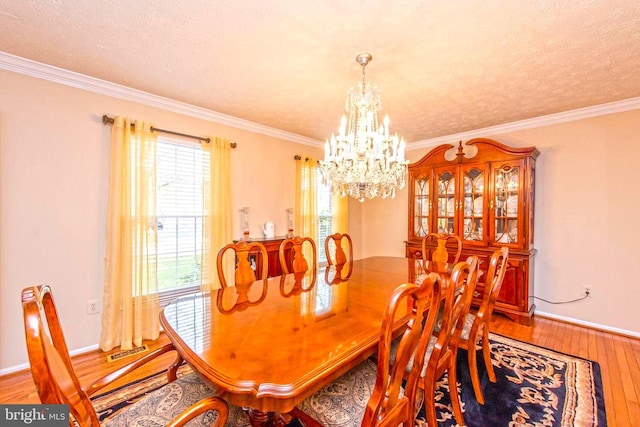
288 338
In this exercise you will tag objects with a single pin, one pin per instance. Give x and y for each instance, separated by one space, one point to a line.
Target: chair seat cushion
468 324
342 402
466 329
394 350
238 417
164 404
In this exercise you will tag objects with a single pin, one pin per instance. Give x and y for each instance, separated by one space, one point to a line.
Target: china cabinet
483 192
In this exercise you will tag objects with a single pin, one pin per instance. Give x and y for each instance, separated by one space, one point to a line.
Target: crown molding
550 119
69 78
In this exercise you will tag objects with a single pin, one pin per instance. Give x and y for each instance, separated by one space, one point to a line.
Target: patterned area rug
109 403
536 387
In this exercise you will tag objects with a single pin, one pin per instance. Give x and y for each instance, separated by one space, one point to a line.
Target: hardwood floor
618 356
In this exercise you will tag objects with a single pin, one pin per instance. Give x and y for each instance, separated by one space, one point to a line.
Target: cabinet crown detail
481 191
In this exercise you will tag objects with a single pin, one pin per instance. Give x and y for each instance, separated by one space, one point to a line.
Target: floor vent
126 353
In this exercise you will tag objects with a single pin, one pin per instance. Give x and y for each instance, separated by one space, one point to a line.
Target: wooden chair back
299 264
340 263
477 324
335 251
57 383
454 307
51 368
430 247
388 406
459 295
244 275
495 276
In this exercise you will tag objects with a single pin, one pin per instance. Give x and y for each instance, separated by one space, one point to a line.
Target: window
179 207
325 218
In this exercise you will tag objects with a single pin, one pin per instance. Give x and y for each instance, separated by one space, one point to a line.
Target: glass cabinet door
422 206
445 201
473 203
507 189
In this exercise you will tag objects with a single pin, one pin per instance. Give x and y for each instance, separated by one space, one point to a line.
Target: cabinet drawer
413 252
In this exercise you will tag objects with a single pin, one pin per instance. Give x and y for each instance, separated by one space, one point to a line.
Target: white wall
587 204
54 176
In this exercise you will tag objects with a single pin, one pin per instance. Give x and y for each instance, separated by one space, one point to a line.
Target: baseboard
12 369
25 366
617 331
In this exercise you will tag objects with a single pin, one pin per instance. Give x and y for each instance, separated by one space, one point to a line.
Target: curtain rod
109 121
306 159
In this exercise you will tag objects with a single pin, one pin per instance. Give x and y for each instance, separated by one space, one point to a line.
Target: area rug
536 387
109 403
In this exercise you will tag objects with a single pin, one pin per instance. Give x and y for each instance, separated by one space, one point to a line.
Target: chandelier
364 160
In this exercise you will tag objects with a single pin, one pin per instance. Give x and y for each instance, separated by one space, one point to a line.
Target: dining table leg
259 418
268 419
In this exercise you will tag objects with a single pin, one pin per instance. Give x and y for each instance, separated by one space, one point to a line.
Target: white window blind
179 210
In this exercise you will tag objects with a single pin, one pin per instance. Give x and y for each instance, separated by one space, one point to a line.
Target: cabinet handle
430 205
491 204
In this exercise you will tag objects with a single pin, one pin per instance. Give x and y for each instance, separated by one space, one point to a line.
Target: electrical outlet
93 306
588 291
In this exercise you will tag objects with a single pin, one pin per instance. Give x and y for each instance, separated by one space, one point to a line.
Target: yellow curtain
306 209
339 214
339 224
218 220
130 300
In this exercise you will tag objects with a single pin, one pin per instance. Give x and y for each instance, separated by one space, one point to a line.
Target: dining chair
244 272
246 256
371 394
334 250
180 401
340 265
441 348
297 264
476 325
440 254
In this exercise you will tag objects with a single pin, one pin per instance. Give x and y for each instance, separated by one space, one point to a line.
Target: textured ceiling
443 67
